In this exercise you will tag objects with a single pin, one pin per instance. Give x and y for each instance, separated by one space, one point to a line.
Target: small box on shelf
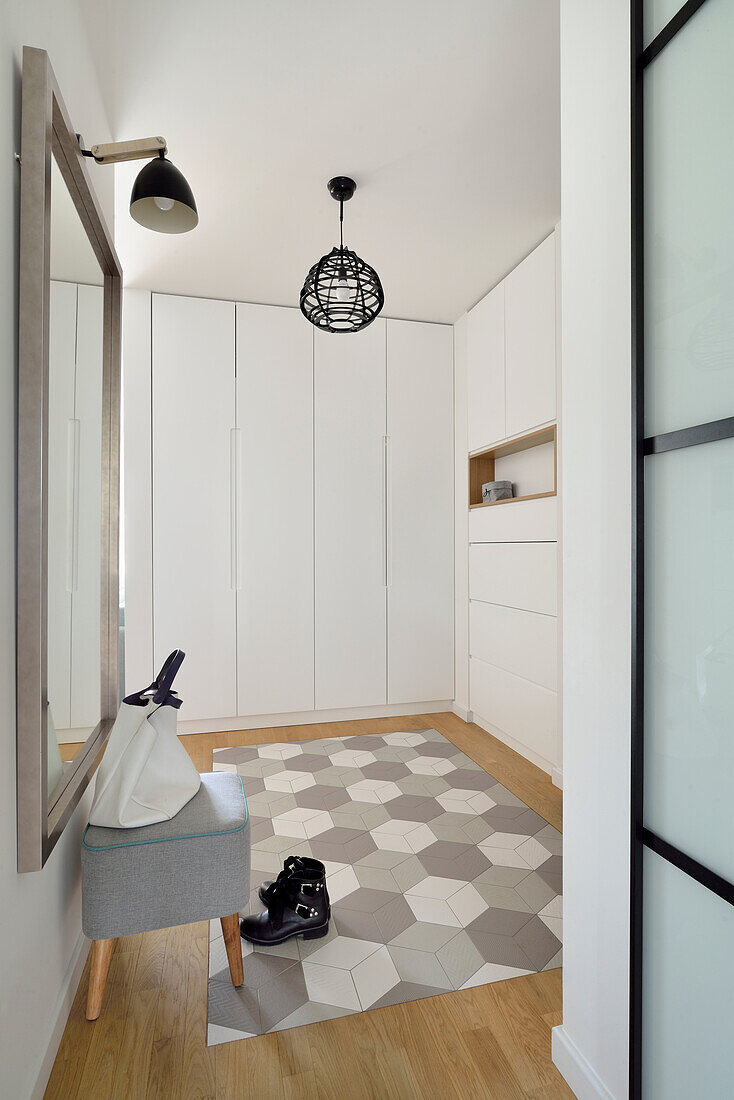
496 490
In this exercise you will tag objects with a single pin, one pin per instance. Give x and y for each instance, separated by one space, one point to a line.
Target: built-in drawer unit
519 642
524 711
515 574
517 521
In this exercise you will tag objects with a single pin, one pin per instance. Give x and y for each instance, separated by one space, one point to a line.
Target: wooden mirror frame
47 132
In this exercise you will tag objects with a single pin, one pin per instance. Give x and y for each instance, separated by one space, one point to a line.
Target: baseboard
462 712
513 743
61 1011
579 1075
73 736
557 777
311 717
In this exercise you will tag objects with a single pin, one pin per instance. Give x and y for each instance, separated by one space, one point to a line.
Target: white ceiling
446 112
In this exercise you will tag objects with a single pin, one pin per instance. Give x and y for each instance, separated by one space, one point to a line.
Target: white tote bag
145 775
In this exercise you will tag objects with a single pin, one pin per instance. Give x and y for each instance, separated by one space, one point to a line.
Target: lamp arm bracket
115 152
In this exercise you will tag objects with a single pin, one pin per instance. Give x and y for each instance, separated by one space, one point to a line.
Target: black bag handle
160 690
164 680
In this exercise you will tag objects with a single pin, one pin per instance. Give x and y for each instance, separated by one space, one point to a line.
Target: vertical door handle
235 472
386 510
73 428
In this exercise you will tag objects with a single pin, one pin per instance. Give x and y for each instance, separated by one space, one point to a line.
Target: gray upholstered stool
194 867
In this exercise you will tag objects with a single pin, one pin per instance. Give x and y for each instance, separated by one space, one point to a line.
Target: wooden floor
150 1040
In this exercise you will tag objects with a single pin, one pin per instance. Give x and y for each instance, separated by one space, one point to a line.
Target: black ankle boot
293 863
297 905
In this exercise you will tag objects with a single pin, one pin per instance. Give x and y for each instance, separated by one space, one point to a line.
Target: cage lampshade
162 200
341 293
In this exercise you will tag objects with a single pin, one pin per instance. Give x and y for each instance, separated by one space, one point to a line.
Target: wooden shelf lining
513 500
481 466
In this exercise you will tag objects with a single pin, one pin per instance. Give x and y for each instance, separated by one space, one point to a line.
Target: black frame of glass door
643 446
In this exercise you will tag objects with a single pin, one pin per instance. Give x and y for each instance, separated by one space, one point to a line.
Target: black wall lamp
161 198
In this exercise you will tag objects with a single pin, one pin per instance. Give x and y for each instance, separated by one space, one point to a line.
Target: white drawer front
515 574
521 521
520 642
526 712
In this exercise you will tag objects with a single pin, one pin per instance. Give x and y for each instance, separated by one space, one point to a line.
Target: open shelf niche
482 466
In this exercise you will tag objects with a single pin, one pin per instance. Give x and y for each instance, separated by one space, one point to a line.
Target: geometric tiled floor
439 879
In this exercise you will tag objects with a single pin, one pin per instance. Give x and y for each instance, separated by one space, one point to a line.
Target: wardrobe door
420 571
274 441
486 370
61 478
350 516
86 595
194 599
530 340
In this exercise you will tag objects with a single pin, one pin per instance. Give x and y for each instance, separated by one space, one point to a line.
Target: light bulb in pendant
343 290
163 203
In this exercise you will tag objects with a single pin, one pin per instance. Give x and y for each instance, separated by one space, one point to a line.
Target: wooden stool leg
101 955
233 943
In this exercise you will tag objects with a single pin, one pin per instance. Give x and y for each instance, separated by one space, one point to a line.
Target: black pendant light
162 199
341 293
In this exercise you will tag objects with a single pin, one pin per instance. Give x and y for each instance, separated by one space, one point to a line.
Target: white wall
461 521
591 1046
40 914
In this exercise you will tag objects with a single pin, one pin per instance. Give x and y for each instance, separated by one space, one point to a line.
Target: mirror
75 413
68 607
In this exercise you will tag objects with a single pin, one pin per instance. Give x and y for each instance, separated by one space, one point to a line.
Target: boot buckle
304 911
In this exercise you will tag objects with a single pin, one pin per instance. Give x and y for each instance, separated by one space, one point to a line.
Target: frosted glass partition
656 13
688 999
682 960
689 224
689 658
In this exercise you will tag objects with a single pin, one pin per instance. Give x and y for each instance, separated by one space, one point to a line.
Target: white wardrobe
289 521
194 558
350 463
384 493
513 555
76 325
